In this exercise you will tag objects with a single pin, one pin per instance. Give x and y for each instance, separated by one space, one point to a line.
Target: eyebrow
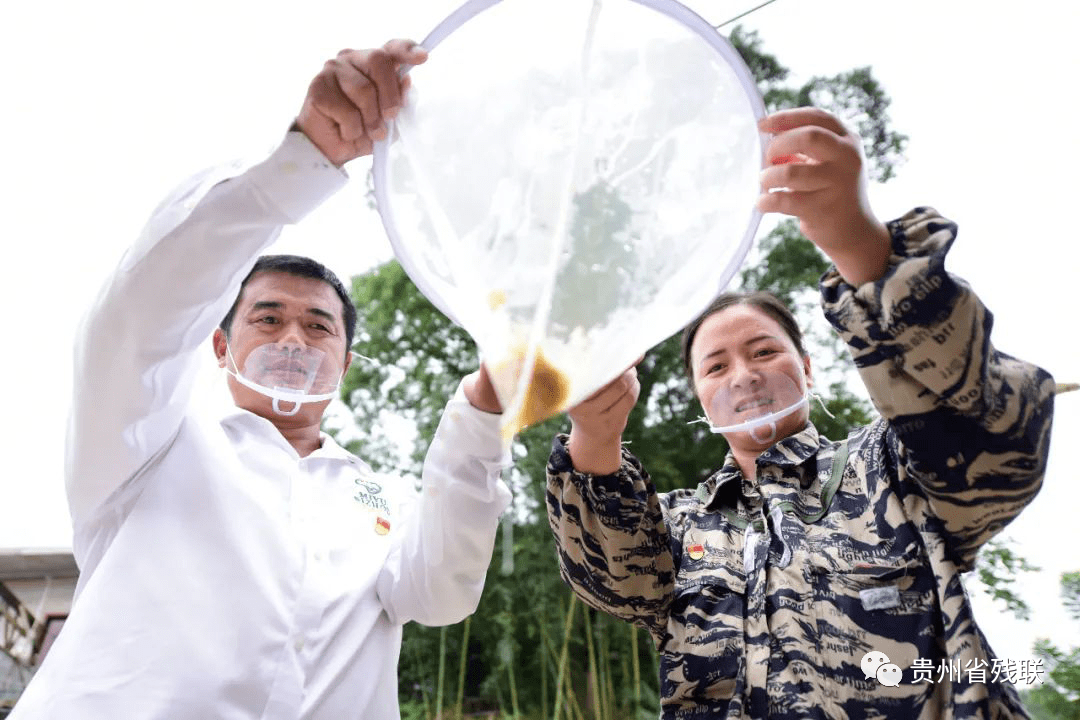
274 305
748 343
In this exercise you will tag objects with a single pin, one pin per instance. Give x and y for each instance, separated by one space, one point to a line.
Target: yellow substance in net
546 394
496 299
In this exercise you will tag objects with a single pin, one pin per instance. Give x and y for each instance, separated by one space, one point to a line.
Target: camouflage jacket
764 595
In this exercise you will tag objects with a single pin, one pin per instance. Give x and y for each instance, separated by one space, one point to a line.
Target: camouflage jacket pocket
873 600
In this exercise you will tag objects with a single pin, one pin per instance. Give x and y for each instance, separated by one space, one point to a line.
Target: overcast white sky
107 105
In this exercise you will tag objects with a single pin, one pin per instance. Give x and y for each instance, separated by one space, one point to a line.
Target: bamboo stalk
461 668
573 703
442 674
513 690
608 674
545 651
423 685
596 705
562 657
654 658
636 664
543 671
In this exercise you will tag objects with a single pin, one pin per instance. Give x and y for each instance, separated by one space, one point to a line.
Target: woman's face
745 364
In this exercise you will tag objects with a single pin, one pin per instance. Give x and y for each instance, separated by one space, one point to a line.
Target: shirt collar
330 449
792 451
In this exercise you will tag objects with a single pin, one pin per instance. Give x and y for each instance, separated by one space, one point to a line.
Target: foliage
1070 593
1059 697
997 569
856 97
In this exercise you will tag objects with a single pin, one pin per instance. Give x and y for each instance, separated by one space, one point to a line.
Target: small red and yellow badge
382 525
696 552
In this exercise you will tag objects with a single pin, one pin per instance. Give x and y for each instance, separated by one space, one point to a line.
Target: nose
745 376
291 337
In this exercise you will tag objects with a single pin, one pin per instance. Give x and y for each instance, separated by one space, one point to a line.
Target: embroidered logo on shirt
371 487
696 551
382 525
368 496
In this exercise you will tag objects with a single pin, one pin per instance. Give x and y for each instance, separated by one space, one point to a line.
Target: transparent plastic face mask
756 405
288 374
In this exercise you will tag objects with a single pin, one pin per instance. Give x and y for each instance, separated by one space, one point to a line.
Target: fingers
813 162
811 143
382 74
623 394
798 204
799 177
381 70
361 91
405 52
615 395
347 97
480 391
351 99
785 120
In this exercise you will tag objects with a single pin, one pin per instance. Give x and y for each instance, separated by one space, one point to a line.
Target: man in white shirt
244 565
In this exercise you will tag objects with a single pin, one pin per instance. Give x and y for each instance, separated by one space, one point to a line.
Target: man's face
277 307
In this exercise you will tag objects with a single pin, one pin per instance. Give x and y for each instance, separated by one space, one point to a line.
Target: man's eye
716 368
318 326
267 319
764 351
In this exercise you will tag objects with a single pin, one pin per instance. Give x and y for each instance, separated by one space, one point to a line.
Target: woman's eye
764 351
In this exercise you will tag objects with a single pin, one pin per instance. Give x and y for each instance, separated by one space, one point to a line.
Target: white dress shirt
222 575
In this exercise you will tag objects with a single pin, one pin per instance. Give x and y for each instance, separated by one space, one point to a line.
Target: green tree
1058 698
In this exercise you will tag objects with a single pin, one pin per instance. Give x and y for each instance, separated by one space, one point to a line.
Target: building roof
36 563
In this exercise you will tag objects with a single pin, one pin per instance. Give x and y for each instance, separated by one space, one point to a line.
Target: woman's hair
764 301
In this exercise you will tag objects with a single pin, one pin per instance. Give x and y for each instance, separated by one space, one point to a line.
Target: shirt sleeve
612 541
135 348
968 424
436 568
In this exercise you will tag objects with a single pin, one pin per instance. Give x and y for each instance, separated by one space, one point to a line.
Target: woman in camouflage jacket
809 578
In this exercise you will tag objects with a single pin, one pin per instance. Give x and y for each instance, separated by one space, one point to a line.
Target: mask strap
356 355
822 404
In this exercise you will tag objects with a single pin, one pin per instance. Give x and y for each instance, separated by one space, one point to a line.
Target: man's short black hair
301 267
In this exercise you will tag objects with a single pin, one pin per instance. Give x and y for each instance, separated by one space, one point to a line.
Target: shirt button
298 642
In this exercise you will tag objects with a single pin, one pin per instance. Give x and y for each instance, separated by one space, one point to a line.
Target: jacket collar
790 452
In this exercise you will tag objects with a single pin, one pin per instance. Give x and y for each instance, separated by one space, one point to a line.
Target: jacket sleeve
135 349
435 572
612 540
968 424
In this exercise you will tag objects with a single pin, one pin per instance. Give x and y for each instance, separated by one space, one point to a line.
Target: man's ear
219 347
809 371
